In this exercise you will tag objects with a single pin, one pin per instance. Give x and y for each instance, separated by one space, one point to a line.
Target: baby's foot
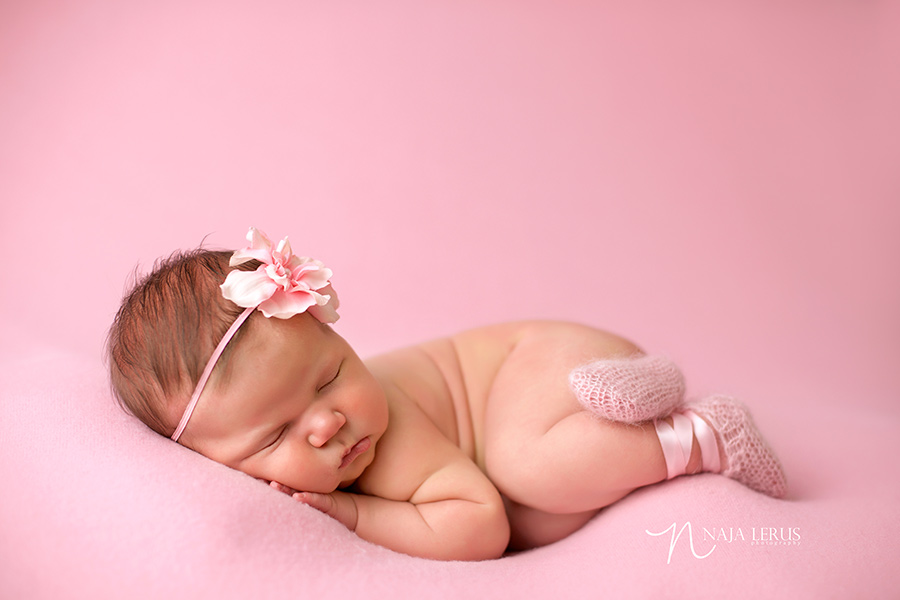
629 390
747 457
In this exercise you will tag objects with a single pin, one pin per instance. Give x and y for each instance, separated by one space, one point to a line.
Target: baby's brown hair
166 330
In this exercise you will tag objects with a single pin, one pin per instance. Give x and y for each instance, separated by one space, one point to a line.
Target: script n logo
674 540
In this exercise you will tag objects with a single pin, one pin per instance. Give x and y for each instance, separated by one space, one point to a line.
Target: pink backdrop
717 182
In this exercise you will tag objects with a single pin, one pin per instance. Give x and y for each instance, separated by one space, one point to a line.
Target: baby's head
166 330
244 338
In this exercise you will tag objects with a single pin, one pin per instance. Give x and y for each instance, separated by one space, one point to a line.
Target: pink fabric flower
284 285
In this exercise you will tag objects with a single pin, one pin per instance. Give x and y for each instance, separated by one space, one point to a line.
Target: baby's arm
427 498
439 521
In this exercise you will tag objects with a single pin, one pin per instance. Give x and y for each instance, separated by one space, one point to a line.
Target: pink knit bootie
629 390
749 460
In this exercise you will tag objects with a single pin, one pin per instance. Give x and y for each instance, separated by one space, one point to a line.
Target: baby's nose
325 424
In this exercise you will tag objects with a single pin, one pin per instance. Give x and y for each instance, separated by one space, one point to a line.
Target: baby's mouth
358 448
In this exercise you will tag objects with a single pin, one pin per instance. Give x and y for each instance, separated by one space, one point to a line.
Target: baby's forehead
275 350
299 329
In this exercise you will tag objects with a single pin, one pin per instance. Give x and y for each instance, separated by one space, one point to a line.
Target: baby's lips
358 448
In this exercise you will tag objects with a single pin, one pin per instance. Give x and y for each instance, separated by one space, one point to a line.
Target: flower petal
311 272
285 305
258 239
248 288
241 256
260 248
326 313
283 252
278 275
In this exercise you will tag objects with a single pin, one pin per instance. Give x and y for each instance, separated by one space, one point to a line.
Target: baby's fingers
282 488
321 502
337 505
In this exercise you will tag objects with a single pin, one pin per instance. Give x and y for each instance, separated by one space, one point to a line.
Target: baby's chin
351 480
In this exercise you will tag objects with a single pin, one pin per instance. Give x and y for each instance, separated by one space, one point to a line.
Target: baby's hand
337 505
281 487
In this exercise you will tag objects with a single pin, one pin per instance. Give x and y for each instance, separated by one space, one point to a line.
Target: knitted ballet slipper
629 390
749 459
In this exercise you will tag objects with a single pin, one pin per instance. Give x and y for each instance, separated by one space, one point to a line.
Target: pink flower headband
284 285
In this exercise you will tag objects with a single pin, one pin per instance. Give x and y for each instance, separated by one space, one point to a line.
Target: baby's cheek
309 476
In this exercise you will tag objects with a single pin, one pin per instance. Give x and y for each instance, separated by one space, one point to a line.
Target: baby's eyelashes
268 445
332 380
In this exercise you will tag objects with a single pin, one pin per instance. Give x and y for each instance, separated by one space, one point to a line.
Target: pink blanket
716 183
95 505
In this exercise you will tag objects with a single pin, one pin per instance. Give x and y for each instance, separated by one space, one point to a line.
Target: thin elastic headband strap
189 410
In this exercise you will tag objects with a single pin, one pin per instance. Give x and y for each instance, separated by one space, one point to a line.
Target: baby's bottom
556 463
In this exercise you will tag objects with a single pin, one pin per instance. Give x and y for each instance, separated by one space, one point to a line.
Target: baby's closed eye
332 379
270 443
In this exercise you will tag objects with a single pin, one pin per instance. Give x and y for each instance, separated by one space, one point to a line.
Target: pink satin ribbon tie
677 441
706 437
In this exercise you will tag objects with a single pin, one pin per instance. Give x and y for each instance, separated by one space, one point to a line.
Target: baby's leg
576 464
544 450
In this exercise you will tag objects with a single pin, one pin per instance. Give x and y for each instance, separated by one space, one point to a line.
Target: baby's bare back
454 379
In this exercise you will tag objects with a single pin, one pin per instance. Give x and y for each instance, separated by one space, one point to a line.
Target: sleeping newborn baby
508 436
